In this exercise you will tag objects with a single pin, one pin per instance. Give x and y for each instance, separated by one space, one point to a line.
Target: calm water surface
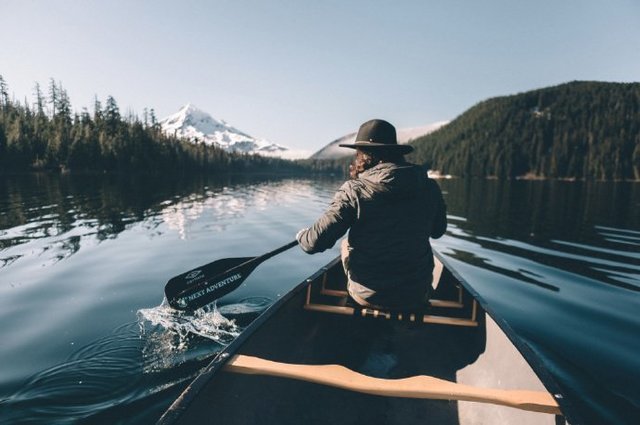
84 260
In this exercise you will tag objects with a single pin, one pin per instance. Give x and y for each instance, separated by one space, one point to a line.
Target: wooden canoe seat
331 296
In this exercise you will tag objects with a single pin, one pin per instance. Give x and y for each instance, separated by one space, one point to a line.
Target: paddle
412 387
203 285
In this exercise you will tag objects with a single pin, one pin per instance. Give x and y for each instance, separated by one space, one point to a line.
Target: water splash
173 338
206 322
246 310
218 324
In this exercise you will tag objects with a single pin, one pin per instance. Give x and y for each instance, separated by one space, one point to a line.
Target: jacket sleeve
439 225
333 224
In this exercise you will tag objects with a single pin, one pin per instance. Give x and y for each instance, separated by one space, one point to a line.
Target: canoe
315 357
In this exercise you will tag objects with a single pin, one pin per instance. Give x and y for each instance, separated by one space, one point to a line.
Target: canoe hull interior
480 355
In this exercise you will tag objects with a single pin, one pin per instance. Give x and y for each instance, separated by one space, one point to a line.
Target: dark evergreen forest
46 135
578 130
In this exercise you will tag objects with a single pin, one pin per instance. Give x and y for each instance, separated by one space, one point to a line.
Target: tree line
578 130
46 134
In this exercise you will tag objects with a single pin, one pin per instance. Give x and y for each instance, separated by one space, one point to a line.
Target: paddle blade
200 286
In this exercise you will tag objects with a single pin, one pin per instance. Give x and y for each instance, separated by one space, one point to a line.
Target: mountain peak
191 109
196 125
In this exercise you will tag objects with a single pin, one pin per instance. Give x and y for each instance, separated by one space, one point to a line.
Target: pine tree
39 99
111 115
53 96
4 93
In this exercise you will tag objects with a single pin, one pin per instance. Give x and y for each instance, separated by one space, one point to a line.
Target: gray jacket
391 211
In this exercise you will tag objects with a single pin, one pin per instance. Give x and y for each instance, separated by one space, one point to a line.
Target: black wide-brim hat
377 134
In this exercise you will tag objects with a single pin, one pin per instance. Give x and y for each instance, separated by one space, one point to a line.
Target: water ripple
133 363
93 378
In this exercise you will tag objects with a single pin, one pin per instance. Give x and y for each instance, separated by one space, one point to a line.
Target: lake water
85 338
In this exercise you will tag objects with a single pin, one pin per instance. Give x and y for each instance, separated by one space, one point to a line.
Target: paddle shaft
414 387
275 252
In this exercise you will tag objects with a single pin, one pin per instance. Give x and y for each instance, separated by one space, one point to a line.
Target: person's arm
439 225
332 225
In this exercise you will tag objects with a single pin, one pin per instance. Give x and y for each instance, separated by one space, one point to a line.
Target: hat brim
404 149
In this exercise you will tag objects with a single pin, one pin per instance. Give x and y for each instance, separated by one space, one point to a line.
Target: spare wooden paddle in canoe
198 287
414 387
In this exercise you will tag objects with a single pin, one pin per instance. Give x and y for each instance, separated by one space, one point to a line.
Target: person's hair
368 158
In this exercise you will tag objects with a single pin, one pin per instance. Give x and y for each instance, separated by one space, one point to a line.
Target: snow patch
195 125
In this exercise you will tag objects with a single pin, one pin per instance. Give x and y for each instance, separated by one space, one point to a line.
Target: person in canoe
391 209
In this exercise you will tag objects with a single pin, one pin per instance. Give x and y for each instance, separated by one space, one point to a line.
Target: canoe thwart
335 300
411 317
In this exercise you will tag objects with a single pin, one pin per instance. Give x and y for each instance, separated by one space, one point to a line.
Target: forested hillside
44 134
581 130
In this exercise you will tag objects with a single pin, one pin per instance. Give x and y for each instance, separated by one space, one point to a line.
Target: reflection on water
229 203
49 217
80 257
561 277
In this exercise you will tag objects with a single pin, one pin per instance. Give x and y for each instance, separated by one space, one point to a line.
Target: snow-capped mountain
333 151
196 125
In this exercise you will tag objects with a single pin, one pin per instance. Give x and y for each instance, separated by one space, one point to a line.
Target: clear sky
302 73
